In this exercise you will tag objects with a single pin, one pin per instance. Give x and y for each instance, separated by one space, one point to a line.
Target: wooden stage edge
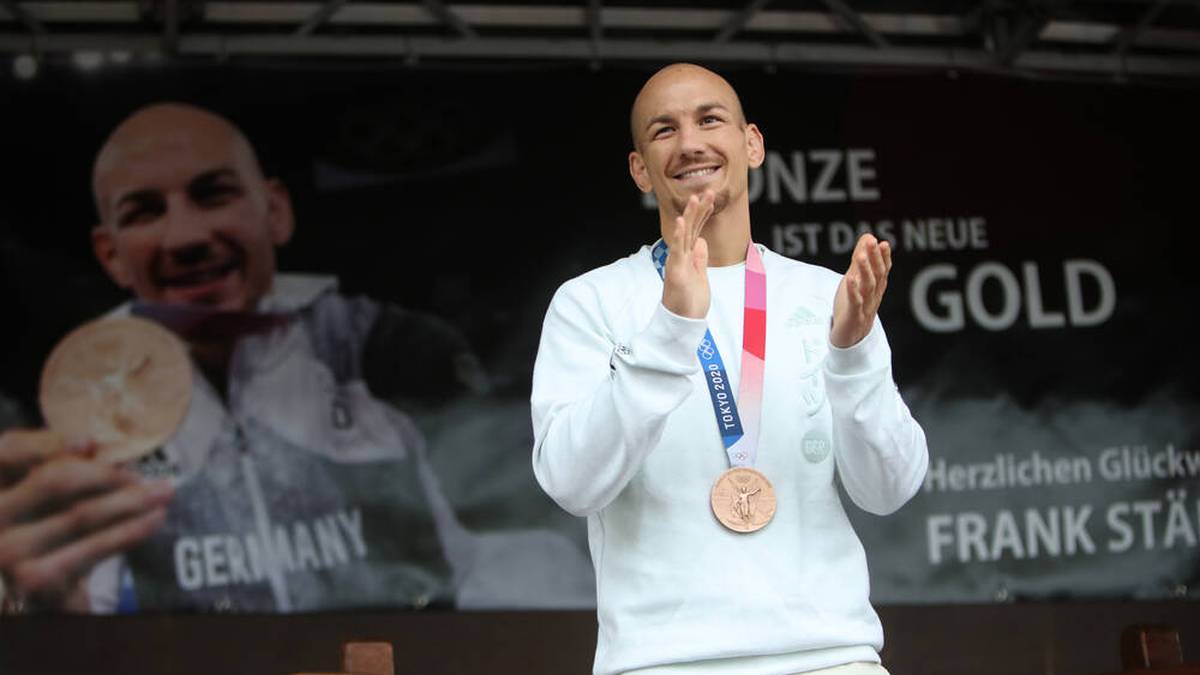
1035 638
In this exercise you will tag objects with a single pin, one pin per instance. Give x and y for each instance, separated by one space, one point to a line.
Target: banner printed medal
124 383
742 499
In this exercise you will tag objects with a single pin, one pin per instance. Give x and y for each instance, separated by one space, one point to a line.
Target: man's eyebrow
213 175
137 196
660 119
700 109
709 107
143 195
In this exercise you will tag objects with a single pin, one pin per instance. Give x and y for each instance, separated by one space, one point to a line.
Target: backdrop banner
375 450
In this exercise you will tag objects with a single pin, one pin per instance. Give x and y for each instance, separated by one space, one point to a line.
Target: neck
213 360
727 241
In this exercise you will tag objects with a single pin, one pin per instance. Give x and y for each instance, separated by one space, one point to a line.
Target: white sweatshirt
624 434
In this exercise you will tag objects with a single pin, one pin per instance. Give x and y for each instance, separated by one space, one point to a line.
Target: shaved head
172 128
673 75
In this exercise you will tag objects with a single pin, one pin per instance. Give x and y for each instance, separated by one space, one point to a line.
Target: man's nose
185 229
690 142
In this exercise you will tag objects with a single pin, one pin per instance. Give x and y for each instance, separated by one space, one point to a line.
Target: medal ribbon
199 323
740 437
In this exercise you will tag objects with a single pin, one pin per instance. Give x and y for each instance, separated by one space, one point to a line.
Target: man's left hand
861 290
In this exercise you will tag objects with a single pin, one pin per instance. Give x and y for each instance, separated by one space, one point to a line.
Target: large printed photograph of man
293 483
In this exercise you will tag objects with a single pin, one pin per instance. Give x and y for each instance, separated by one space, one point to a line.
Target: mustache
197 263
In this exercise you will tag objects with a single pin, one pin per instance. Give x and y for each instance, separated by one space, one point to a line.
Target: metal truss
1119 37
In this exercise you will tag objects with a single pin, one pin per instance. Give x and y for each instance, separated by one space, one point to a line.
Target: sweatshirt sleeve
880 449
600 407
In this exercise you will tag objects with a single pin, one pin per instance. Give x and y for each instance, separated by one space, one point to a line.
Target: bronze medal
743 500
123 383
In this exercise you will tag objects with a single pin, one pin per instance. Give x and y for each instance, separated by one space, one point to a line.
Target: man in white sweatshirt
719 541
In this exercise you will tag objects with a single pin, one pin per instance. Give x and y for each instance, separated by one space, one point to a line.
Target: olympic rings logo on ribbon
706 349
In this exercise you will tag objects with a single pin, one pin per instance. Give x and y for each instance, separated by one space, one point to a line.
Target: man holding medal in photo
289 475
726 552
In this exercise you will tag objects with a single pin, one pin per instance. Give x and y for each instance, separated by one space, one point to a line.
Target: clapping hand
861 291
685 279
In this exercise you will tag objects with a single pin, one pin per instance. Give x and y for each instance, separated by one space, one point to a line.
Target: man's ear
755 148
280 218
637 169
105 249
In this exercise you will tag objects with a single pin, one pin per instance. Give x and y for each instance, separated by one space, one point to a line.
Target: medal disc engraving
743 499
123 383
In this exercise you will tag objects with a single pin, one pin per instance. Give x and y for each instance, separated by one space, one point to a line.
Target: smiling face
689 136
185 213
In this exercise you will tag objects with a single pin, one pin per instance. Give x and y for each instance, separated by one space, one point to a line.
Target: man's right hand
61 512
685 278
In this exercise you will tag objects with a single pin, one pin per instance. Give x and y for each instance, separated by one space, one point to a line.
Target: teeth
201 277
698 172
